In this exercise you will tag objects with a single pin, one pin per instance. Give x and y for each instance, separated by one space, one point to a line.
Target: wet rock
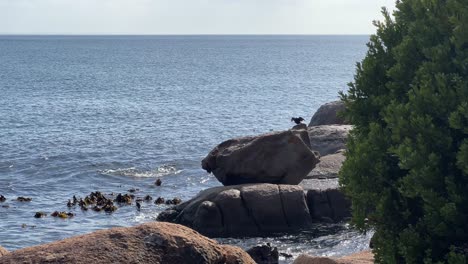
328 167
145 244
138 205
325 201
264 254
280 158
148 198
62 214
160 200
133 190
23 199
5 206
40 215
3 251
243 210
328 139
2 199
174 201
285 255
327 114
158 182
124 199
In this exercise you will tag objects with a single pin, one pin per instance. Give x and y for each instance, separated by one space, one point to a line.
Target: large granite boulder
147 243
3 251
328 139
279 158
365 257
325 201
243 210
327 114
328 167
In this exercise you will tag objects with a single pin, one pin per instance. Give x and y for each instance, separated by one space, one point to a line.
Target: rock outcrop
3 251
279 158
325 201
147 243
244 210
328 139
365 257
328 167
327 114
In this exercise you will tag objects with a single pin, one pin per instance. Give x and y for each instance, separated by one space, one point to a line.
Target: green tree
406 170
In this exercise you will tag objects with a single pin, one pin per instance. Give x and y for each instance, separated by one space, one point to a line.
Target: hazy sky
190 16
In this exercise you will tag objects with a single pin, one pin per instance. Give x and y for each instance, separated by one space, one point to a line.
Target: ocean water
110 113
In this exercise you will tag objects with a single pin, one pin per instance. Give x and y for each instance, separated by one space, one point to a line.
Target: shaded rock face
147 243
3 251
244 210
328 205
328 167
328 139
327 114
264 254
279 158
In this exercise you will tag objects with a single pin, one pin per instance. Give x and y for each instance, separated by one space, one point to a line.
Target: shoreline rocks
328 167
328 139
261 209
243 210
278 158
146 243
327 114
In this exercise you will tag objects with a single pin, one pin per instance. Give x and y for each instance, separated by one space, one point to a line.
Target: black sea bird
297 120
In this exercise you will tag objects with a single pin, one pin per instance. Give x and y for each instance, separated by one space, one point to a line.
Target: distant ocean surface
111 113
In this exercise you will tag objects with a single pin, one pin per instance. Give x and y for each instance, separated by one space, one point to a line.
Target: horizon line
170 34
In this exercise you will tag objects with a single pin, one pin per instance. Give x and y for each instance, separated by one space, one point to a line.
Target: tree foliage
407 160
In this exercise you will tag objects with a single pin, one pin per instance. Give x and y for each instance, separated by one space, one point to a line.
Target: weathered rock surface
328 139
244 210
147 243
264 254
327 114
328 167
279 158
365 257
3 251
325 201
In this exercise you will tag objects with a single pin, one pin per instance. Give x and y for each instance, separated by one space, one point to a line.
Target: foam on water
162 170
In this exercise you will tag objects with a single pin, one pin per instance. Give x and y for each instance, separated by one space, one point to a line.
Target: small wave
138 173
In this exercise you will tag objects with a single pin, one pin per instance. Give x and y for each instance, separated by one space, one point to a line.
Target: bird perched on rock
297 120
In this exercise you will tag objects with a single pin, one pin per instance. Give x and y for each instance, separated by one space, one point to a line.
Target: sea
80 114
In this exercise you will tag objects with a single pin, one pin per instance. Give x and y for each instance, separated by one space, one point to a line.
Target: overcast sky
190 16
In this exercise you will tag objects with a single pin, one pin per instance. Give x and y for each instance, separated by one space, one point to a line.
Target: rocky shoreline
276 183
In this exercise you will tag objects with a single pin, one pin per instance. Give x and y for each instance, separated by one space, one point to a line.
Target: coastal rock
328 139
3 251
279 158
325 201
243 210
328 167
327 114
365 257
264 254
147 243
